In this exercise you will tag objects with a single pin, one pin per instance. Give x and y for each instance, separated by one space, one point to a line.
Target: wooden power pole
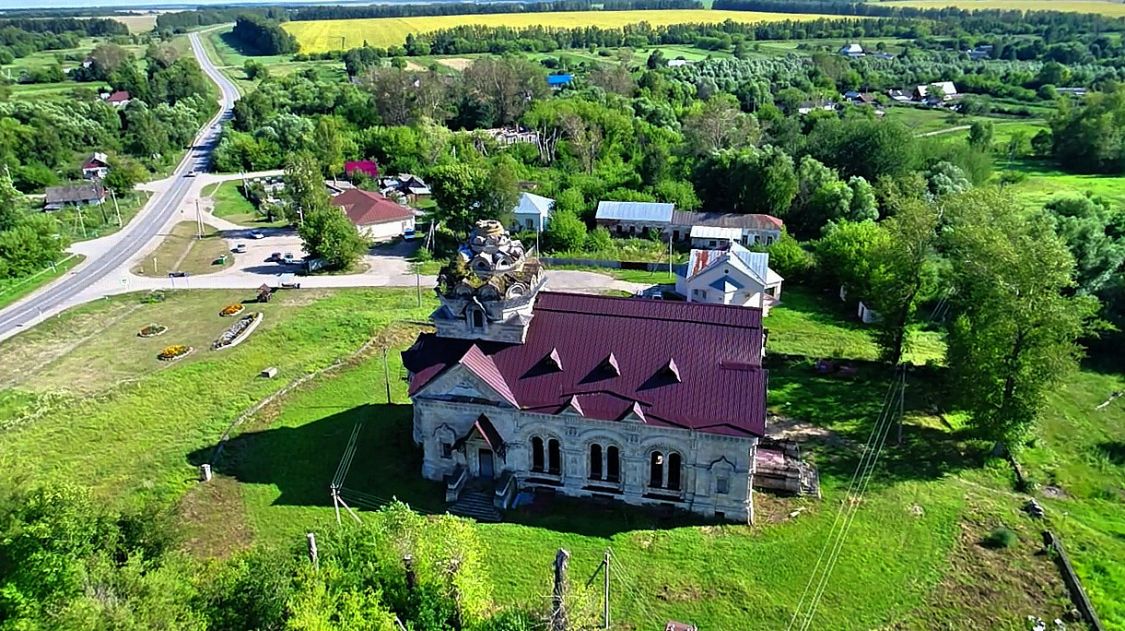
558 600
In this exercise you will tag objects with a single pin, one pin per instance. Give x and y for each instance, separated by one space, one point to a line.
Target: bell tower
488 292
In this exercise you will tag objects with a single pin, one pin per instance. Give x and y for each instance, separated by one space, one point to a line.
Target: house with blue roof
532 212
730 275
559 80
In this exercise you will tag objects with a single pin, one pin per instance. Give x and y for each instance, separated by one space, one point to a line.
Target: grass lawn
85 399
1045 181
14 289
182 251
817 324
232 206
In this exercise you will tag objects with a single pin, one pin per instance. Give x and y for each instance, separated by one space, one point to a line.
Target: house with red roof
118 98
641 401
375 216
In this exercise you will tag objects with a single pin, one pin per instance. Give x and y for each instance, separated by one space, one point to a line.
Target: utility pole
558 598
605 590
198 221
901 401
115 206
386 375
669 252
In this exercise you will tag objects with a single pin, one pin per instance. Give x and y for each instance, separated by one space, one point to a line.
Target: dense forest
257 35
20 37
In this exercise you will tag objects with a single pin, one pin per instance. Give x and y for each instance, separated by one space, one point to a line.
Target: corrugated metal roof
727 220
652 212
757 262
532 204
715 232
717 350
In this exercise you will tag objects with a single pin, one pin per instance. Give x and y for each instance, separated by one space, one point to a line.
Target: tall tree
1014 332
904 272
1095 235
505 85
466 194
305 192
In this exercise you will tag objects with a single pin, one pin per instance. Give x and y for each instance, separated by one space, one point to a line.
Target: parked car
257 235
408 234
190 173
289 259
239 248
177 274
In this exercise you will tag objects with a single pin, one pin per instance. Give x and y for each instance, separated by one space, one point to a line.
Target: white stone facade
715 471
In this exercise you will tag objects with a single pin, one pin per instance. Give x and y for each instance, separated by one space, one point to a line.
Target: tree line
20 37
257 35
481 8
69 561
182 21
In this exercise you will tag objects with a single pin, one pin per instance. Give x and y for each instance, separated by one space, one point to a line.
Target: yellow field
1113 9
321 35
137 23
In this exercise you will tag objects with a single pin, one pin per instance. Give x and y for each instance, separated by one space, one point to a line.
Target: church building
644 401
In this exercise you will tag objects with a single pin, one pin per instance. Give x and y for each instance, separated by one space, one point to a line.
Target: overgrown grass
817 324
129 436
1045 181
91 222
231 205
14 289
182 251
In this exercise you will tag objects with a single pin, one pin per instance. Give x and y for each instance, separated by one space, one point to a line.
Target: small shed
265 292
85 194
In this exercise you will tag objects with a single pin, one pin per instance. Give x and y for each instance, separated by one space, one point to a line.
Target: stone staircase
477 504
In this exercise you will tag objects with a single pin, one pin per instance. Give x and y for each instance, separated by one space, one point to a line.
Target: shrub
1000 538
599 240
174 351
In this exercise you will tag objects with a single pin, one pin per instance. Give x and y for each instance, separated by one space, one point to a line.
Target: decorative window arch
595 462
665 470
656 470
613 464
554 457
537 453
476 319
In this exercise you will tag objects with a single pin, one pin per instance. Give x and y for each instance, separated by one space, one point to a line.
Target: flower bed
237 331
232 310
174 352
152 330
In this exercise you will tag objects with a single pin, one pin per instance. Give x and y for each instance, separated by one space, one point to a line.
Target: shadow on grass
850 407
1114 450
821 307
301 461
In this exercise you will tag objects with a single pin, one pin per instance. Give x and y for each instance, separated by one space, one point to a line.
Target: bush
1000 538
565 231
599 240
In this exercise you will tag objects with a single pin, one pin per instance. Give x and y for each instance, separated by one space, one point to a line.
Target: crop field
321 35
1074 6
139 23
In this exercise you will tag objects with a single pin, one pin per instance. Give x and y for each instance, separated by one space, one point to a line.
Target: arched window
478 319
595 462
554 458
673 471
612 464
656 470
537 454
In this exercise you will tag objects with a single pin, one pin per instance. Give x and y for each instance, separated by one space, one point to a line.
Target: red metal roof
364 208
367 167
119 96
717 350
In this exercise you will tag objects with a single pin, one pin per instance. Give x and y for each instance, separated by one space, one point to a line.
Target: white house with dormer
730 275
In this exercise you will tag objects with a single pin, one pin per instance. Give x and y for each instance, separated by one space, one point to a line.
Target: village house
634 218
369 168
533 212
730 275
642 401
374 216
925 94
752 227
81 194
406 185
852 50
96 166
119 98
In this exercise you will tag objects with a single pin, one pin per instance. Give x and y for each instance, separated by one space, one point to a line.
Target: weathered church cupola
488 291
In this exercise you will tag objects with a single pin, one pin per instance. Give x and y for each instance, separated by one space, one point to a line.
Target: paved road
144 226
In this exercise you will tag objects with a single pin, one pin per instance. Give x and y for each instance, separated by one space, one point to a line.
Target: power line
850 504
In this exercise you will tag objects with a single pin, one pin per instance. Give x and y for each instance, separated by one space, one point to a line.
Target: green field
67 58
321 35
182 251
1076 6
232 206
85 399
1045 180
